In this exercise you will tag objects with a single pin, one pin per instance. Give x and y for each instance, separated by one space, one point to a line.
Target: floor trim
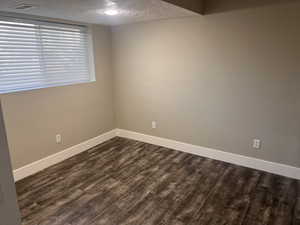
254 163
44 163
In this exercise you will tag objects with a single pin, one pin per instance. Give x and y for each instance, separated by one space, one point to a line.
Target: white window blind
35 54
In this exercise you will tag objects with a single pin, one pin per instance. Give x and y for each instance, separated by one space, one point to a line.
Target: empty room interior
150 112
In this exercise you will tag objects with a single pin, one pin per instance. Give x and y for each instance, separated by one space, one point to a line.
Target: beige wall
217 81
77 112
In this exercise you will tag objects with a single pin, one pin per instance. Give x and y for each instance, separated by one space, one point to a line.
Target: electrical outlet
256 144
153 124
58 138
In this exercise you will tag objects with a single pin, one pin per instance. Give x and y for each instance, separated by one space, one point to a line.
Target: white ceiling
92 11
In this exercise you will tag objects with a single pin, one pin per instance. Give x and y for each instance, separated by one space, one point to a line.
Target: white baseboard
272 167
254 163
61 156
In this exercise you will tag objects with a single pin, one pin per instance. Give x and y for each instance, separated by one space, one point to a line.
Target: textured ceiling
92 11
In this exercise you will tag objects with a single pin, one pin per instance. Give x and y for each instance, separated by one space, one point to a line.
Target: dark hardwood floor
132 183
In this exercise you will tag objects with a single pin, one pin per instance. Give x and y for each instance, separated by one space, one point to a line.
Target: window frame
89 48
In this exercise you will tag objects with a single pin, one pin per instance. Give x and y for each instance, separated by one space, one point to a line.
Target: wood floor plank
296 217
128 182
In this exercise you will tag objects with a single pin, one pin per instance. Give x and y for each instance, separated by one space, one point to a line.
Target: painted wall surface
217 81
77 112
9 212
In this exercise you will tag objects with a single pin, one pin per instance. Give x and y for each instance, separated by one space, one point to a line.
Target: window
35 54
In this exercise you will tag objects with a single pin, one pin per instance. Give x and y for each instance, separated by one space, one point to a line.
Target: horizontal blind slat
38 76
33 67
37 48
48 44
